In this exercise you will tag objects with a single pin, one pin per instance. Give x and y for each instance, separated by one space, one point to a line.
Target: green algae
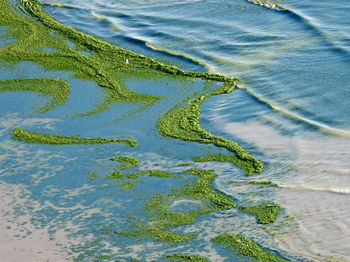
184 257
112 53
33 36
182 122
105 67
158 173
40 138
252 182
127 185
128 180
174 54
243 246
126 161
185 164
57 89
245 166
201 189
265 213
158 234
92 175
118 175
115 175
161 220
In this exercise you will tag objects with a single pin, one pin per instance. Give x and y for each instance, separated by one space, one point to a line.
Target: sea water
292 113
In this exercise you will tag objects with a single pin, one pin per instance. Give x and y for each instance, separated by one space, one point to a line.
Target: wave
175 54
301 18
267 4
105 19
62 6
297 117
337 190
146 44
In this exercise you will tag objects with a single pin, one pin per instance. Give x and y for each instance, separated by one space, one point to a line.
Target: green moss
184 257
182 122
57 89
265 213
242 246
126 161
40 138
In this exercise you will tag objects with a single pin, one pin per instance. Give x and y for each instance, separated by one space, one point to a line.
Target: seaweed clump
243 246
40 138
57 89
244 165
184 257
126 161
161 219
265 213
182 122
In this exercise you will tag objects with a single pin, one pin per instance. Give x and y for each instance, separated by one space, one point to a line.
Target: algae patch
160 219
253 182
126 161
184 257
105 67
40 138
265 213
57 89
235 160
182 122
242 246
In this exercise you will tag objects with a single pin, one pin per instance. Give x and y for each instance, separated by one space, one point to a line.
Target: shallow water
293 114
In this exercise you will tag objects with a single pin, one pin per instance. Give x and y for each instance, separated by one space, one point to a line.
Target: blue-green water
292 113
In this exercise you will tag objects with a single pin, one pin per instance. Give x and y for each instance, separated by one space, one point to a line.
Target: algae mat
137 199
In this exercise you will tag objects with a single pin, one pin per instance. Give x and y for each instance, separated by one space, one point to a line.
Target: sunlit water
293 114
